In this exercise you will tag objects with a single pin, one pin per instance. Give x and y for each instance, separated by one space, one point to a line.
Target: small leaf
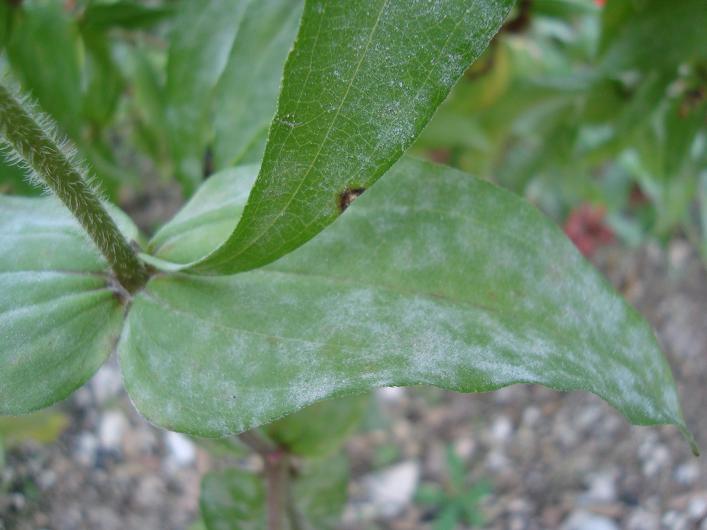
201 42
360 84
246 95
232 500
448 518
456 470
207 218
430 494
320 491
433 277
321 428
235 499
59 314
470 503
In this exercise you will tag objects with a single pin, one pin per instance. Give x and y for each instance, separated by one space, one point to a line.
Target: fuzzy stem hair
32 140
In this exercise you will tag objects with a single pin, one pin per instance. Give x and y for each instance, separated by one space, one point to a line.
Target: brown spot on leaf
207 167
348 196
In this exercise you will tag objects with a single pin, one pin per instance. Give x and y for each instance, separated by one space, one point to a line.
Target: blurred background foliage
594 110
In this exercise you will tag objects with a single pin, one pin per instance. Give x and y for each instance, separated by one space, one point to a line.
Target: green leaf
433 277
321 428
146 101
207 218
360 84
448 518
456 470
235 499
44 54
651 34
201 42
470 503
430 494
320 491
246 95
59 314
126 14
232 499
104 83
681 126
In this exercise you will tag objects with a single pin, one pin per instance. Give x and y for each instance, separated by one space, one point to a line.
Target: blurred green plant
578 107
68 56
456 501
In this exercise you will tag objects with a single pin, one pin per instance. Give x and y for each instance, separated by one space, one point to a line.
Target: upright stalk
43 154
277 478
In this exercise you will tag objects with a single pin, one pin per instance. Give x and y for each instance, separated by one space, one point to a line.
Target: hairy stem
44 155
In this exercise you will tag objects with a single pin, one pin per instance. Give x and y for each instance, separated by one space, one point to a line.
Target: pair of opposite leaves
431 277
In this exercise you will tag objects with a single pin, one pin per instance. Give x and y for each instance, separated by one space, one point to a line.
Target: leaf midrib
321 145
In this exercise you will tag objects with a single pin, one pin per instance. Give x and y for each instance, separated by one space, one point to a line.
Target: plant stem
42 153
277 476
257 442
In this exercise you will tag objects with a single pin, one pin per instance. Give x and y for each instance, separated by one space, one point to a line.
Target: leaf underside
432 277
59 316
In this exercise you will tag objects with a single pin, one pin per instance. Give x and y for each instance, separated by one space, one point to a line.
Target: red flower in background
586 228
599 3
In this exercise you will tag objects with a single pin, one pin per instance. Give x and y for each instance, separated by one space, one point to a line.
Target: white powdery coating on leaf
432 277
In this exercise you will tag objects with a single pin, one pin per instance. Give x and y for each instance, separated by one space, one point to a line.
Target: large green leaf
246 95
235 500
60 316
201 42
433 277
362 81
